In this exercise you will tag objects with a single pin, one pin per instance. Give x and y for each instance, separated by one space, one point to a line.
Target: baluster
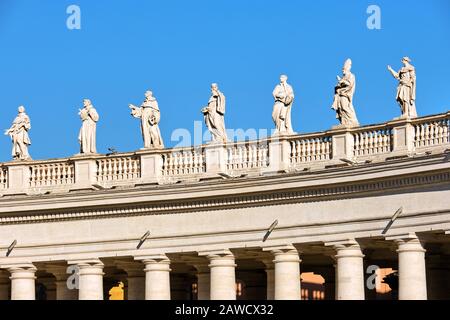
327 149
69 173
445 131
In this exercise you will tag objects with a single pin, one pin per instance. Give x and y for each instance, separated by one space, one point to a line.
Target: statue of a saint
406 90
149 114
281 114
87 136
19 135
214 115
343 97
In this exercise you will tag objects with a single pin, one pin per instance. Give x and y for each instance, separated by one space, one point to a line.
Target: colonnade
149 277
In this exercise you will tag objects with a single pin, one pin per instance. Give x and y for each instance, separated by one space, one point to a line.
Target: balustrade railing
372 140
431 131
183 161
310 148
51 174
247 155
287 153
115 168
3 177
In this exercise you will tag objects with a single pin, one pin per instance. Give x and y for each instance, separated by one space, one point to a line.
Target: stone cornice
278 189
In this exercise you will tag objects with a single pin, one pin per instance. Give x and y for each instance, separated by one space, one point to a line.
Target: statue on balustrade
406 90
19 135
214 115
87 136
281 114
150 116
343 97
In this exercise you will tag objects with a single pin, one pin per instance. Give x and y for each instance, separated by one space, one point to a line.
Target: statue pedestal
342 144
216 158
85 171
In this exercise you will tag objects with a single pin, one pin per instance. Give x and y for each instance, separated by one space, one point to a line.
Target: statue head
406 60
214 87
283 78
21 109
347 66
86 103
148 94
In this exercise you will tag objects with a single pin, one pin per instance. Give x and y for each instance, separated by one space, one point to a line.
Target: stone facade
208 209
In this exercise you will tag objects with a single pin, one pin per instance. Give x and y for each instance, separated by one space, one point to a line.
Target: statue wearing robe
343 97
281 114
150 116
87 135
406 90
19 135
214 115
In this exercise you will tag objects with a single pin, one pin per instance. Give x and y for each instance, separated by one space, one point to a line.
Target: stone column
157 277
223 278
270 279
287 273
23 282
203 282
63 292
90 280
349 270
412 284
4 285
135 289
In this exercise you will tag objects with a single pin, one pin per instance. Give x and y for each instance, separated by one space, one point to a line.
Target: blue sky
178 48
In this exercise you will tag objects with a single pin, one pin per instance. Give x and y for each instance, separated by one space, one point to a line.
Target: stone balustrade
284 153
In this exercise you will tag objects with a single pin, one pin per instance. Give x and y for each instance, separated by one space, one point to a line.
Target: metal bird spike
269 231
11 247
142 240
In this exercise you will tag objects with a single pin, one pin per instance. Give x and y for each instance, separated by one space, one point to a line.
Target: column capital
346 248
156 263
214 253
151 258
408 242
280 248
87 263
17 270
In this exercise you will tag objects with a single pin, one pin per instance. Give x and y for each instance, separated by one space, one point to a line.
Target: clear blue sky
177 48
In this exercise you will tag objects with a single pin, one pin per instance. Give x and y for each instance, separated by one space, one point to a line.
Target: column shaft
90 281
157 278
23 282
411 270
350 272
223 277
287 274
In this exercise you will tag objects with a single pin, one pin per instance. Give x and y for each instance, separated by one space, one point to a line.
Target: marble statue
87 136
343 97
406 90
19 135
150 115
214 115
281 114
